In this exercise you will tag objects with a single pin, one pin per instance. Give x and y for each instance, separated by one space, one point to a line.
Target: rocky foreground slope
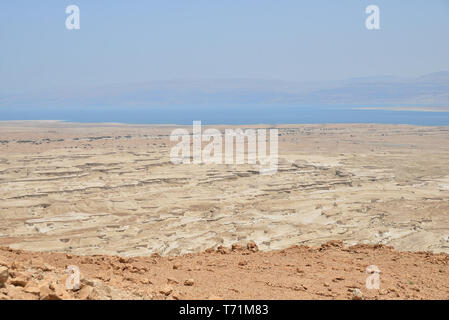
330 271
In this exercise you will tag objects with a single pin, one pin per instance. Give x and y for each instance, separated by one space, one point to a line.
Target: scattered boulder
332 244
357 294
166 290
45 293
189 282
252 246
20 281
31 288
16 266
123 260
87 293
172 281
86 282
223 250
210 250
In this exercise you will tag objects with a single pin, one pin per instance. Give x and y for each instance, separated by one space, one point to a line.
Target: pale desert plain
107 199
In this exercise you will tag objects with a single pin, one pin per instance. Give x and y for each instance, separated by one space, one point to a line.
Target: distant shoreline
57 124
416 109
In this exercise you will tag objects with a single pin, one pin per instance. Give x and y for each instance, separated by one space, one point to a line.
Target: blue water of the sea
184 115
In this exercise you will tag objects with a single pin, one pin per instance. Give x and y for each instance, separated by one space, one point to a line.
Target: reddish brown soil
329 272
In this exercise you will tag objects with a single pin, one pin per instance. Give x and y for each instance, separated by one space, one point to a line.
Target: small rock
223 250
31 288
209 250
45 293
60 290
177 295
357 295
123 260
332 244
20 281
252 246
145 281
86 293
166 290
172 281
338 279
189 282
300 288
87 282
4 297
38 275
176 266
47 267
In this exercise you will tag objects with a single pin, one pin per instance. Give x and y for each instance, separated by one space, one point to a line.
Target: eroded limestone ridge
111 189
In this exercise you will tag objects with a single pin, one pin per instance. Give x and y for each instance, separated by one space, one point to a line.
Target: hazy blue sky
134 41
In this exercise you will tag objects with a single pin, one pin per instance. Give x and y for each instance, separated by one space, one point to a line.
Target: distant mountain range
427 90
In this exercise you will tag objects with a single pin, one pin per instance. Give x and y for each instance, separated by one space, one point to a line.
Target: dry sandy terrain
110 189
